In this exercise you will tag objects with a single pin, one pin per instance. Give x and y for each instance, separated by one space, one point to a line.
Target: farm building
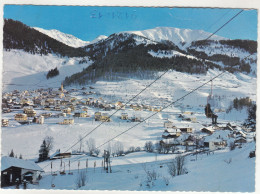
15 170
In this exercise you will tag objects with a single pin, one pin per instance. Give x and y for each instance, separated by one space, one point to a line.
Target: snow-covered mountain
176 35
67 39
100 37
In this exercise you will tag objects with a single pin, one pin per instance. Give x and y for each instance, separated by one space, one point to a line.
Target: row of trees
52 73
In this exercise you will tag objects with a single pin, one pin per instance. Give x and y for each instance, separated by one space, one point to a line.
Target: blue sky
87 23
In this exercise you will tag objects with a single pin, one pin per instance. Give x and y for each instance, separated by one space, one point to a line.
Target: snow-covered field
26 71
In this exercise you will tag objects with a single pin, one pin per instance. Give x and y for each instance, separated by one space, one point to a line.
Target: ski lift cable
159 77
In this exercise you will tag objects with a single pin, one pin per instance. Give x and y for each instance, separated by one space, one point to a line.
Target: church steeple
61 87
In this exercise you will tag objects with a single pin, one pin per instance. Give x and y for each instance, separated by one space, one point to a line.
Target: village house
67 122
46 115
119 105
136 107
171 133
67 110
57 108
20 117
124 116
64 102
105 117
186 129
84 108
30 112
190 141
15 170
214 144
5 122
59 155
137 118
168 124
81 114
39 119
207 130
97 116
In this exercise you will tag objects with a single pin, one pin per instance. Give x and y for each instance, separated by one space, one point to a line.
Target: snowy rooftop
7 162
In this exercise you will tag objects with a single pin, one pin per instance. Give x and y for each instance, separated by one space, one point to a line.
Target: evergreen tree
11 154
20 157
43 152
251 120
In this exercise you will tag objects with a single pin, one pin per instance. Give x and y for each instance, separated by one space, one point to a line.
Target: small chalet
14 169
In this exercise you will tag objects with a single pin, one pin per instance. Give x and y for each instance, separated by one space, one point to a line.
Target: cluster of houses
210 137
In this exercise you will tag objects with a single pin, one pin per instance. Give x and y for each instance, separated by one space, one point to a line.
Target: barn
14 169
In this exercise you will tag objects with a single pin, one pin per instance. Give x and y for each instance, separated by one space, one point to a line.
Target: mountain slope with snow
67 39
176 35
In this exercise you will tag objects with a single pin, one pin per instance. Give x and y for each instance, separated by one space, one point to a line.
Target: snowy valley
91 105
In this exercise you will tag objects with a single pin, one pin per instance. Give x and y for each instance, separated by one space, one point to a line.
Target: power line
145 89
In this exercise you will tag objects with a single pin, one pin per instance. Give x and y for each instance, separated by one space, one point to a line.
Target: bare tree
91 144
149 147
81 179
176 167
118 148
